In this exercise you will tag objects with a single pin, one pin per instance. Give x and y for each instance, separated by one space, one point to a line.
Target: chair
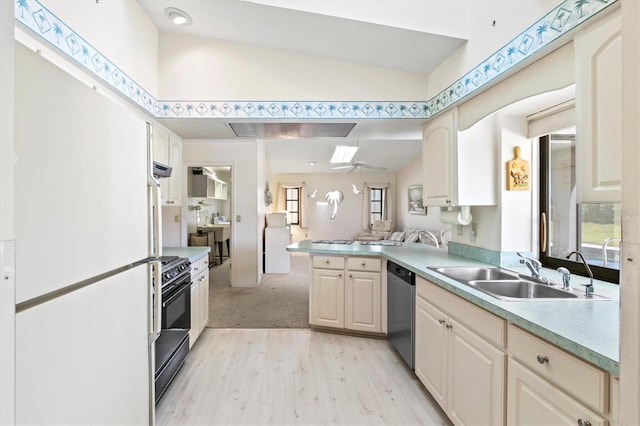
380 230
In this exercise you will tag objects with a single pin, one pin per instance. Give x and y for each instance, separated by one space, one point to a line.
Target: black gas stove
172 345
173 269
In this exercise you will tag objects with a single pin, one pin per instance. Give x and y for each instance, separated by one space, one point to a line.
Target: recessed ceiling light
177 16
312 163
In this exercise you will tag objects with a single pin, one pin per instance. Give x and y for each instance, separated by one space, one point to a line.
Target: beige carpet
281 300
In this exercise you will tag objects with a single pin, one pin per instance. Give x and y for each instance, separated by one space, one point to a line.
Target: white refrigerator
87 243
277 236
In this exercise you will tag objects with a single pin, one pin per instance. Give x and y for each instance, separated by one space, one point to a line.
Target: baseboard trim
346 332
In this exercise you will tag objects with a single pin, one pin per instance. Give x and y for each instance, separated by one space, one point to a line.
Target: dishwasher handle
395 270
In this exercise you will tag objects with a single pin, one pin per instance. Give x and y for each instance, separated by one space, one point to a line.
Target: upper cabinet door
599 110
438 148
460 167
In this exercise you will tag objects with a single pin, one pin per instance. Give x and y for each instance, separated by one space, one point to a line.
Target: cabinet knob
542 359
449 326
448 201
584 422
364 264
350 275
339 275
327 262
441 321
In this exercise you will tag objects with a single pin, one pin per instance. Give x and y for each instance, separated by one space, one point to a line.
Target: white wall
412 174
120 30
511 18
242 156
196 68
319 224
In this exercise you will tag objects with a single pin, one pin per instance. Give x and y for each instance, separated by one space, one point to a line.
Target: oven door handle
176 294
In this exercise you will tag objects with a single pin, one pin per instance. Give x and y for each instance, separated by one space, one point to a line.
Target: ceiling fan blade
342 167
366 166
353 169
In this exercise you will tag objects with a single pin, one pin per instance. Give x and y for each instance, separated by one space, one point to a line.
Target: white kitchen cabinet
542 375
459 167
346 293
462 370
167 149
199 298
598 56
327 298
204 186
362 301
534 401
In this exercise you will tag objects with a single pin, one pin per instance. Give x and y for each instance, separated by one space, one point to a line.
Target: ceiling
433 28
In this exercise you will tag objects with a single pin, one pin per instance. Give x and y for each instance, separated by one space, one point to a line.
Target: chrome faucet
588 288
534 265
566 277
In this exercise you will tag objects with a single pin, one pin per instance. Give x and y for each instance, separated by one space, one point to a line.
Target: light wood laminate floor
294 376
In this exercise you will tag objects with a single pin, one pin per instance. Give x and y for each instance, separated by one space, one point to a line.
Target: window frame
297 203
379 202
575 267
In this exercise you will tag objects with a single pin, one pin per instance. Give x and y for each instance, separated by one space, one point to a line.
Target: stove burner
332 241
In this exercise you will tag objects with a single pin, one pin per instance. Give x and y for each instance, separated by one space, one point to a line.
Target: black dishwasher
401 296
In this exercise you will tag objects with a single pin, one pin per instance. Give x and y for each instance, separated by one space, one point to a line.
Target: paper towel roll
455 217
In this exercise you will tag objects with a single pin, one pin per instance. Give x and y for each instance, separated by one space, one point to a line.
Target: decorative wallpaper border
560 21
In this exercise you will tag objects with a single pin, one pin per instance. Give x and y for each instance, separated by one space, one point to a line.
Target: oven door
176 305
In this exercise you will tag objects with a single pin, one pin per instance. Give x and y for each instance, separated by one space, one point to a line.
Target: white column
7 243
630 267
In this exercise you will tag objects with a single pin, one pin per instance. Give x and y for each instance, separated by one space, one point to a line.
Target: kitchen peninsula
565 352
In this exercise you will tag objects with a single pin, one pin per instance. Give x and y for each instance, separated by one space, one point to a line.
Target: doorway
209 210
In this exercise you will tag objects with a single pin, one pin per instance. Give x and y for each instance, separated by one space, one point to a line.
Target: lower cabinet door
362 302
193 332
431 350
534 401
327 298
203 301
476 388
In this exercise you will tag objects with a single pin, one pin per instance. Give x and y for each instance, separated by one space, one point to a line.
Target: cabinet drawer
582 380
364 264
328 262
482 322
199 266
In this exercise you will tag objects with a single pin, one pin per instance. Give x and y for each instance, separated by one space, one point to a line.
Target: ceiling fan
358 164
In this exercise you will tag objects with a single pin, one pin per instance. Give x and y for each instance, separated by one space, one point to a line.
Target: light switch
176 218
238 218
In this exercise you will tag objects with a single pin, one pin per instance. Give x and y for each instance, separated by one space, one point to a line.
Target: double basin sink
508 285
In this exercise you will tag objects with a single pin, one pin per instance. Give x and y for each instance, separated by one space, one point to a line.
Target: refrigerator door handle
155 292
151 179
155 201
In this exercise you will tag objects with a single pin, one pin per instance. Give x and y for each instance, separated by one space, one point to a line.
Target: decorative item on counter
517 173
335 198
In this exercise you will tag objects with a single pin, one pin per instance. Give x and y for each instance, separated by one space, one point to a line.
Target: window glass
591 228
375 209
293 205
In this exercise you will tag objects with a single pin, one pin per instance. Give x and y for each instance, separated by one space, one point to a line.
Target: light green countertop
193 253
589 329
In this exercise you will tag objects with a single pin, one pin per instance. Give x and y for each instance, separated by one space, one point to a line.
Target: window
376 212
293 205
593 229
